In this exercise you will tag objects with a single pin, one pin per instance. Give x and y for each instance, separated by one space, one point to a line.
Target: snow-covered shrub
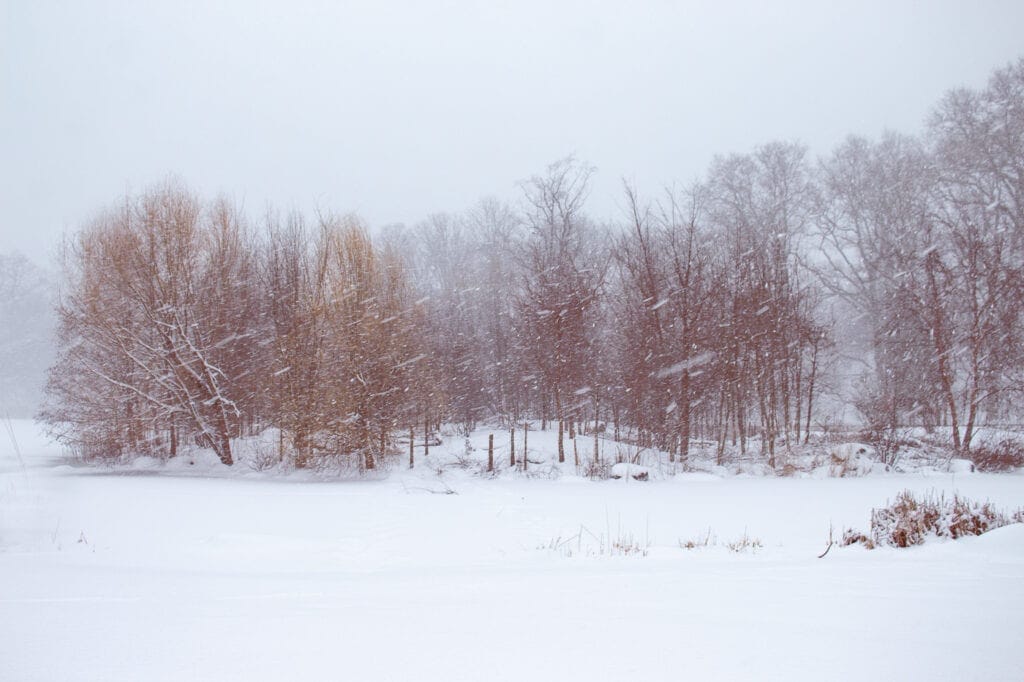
745 543
789 469
909 521
263 458
889 444
705 540
629 545
1005 455
854 537
850 459
587 543
465 458
597 470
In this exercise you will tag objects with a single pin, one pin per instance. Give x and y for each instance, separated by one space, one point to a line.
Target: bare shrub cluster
745 543
910 521
1006 455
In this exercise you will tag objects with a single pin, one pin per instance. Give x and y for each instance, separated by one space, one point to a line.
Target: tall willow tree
157 327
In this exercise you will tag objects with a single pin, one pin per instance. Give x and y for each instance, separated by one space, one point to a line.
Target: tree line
707 313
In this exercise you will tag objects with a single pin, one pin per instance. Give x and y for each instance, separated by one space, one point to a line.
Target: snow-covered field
167 573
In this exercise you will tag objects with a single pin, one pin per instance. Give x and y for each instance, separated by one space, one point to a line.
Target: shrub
743 544
910 521
586 543
1004 456
850 459
703 541
597 470
855 537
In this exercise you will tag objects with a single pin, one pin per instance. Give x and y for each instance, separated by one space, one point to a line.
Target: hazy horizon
399 111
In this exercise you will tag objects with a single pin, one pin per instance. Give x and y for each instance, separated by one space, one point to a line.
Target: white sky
398 110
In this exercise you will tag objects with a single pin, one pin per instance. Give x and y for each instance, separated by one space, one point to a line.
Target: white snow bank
632 471
1006 540
267 578
961 466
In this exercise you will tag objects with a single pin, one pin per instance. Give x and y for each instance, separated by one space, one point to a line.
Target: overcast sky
399 110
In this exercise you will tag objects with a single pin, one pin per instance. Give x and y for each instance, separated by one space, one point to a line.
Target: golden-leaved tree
157 325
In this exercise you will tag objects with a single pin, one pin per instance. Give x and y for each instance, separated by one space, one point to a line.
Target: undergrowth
1006 455
909 521
744 543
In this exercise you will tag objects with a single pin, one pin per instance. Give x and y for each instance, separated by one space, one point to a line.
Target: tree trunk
810 389
798 400
526 431
561 441
426 434
941 349
684 418
222 441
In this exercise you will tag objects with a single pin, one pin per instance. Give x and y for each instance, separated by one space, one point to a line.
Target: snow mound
694 476
1008 539
634 471
961 466
144 463
194 461
203 460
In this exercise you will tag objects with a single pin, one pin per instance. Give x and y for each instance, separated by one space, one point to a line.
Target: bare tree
146 325
563 264
978 252
872 224
664 315
760 205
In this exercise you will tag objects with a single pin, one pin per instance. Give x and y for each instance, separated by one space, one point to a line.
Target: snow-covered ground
162 572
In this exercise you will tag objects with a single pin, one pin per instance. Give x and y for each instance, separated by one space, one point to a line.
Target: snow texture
192 570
